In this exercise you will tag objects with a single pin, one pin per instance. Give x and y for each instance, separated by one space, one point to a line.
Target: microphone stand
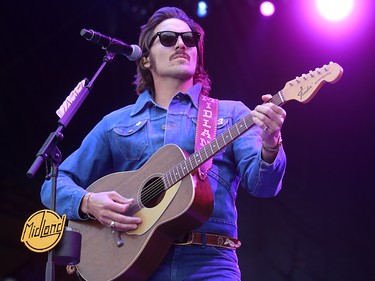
50 153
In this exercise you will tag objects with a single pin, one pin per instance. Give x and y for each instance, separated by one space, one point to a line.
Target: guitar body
107 254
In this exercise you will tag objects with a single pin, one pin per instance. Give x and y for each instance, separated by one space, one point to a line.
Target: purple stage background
319 228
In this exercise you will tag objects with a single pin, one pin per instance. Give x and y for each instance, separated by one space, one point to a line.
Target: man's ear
145 62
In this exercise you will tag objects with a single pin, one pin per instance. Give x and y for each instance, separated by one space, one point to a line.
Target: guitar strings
152 190
157 186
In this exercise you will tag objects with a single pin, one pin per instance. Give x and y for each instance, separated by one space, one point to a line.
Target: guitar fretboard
199 157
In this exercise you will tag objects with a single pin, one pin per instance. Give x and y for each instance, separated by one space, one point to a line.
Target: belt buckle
189 240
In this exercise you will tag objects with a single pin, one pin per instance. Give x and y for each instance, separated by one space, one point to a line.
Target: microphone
132 52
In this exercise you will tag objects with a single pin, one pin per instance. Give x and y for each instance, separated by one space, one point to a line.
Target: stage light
202 9
267 8
335 10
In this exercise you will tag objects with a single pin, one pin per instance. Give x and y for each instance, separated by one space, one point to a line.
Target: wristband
274 149
87 206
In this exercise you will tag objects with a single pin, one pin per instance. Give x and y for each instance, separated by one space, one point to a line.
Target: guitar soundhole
153 192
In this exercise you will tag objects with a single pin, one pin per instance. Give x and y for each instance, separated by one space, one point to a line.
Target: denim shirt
126 138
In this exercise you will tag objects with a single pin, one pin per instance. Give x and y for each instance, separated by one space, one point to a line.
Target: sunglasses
169 38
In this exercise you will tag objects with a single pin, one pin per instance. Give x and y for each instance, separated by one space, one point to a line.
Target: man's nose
180 43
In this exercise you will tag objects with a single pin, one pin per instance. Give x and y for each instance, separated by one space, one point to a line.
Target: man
170 78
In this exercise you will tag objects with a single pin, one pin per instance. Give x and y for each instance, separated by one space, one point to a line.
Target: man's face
178 61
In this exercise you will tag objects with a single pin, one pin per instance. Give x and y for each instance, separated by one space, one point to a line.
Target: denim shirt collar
146 98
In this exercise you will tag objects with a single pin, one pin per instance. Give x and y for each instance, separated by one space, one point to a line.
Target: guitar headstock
304 88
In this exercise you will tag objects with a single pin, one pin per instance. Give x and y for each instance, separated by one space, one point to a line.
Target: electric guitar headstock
304 87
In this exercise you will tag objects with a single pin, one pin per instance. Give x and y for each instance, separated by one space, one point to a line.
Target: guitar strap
206 128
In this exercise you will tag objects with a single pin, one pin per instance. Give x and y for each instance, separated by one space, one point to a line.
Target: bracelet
87 205
274 149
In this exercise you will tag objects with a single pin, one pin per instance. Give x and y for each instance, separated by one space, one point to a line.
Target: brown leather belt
208 239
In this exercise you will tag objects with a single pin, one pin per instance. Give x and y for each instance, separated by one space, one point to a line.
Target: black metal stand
50 153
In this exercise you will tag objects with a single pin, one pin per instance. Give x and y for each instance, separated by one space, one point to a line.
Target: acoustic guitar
168 197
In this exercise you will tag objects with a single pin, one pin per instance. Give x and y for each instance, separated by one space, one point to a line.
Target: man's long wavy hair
143 78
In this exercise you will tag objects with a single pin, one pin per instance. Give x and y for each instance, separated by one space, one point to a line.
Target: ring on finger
112 225
265 129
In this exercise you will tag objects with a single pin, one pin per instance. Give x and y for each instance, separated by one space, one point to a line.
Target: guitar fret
244 124
230 134
210 146
241 124
238 130
214 147
234 131
171 178
174 179
177 174
181 172
166 184
281 97
196 159
202 159
278 99
207 155
184 168
167 179
221 140
189 166
190 163
248 120
225 136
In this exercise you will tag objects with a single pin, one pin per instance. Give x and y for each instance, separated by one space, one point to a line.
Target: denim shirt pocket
132 139
222 124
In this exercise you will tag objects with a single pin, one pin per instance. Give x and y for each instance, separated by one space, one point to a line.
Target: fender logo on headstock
303 91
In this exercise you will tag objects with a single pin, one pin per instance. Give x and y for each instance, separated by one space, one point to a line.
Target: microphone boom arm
44 153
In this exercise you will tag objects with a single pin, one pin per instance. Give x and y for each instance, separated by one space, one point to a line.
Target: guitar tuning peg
325 67
297 79
317 70
311 73
304 76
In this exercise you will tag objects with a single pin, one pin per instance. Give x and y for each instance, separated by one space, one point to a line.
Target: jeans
197 263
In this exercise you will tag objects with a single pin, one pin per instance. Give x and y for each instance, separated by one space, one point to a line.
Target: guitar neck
301 89
199 157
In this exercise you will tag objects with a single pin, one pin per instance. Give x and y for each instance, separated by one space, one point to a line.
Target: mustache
180 52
